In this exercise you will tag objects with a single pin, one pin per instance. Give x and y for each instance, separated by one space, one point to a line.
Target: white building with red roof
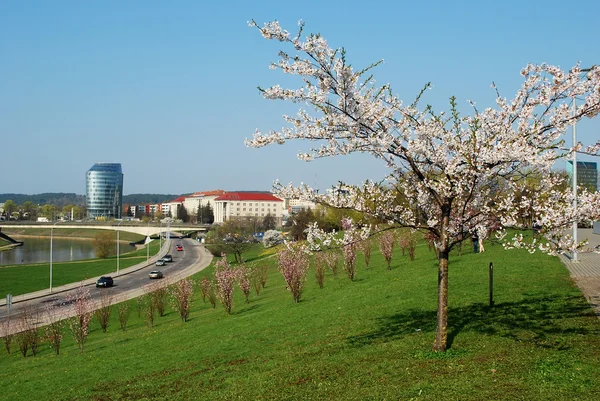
233 205
193 201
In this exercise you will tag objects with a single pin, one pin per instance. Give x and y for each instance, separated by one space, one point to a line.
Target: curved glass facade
104 191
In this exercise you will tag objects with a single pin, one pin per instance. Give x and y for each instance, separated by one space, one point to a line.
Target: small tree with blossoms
366 247
181 293
293 265
243 279
53 331
226 277
83 312
386 246
449 173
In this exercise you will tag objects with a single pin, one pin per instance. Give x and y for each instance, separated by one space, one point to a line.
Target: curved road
130 283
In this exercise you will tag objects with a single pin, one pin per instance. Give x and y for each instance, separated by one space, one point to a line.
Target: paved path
586 271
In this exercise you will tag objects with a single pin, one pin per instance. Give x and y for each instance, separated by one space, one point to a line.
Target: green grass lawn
21 279
369 339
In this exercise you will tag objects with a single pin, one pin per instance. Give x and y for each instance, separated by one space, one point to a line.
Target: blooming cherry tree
449 174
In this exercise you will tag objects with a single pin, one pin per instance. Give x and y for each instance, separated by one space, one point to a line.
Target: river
37 250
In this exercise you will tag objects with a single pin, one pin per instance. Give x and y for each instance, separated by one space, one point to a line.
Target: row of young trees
33 327
450 175
293 263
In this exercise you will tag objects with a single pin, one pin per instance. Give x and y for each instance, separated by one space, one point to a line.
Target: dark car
105 281
168 258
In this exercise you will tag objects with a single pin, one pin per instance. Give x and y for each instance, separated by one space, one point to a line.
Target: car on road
156 274
179 248
168 258
160 262
105 281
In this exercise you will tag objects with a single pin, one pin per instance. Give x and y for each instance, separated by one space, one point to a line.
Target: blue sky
168 89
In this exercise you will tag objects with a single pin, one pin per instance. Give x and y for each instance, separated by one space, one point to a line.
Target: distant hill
61 199
141 199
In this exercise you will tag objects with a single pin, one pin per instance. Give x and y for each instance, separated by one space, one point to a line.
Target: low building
233 205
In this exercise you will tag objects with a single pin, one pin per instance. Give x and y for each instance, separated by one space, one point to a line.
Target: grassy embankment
367 339
21 279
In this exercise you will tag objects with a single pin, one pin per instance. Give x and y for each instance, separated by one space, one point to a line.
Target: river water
37 250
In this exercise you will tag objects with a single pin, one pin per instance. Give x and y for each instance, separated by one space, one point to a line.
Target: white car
160 262
156 274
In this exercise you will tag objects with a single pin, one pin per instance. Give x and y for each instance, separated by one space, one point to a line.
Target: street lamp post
160 235
118 249
148 244
574 183
51 256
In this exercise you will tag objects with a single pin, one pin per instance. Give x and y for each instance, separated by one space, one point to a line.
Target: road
130 283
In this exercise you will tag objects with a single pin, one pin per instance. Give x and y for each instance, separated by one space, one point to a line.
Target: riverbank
58 232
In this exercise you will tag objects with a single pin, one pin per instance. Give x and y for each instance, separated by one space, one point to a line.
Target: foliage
205 214
449 175
181 293
293 265
366 247
232 237
123 310
103 312
386 246
268 222
272 238
80 323
104 243
320 268
53 331
225 276
243 279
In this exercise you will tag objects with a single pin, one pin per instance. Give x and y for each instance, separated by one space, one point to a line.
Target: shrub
103 312
272 238
294 265
226 277
386 246
53 332
243 279
123 310
80 323
320 268
366 247
181 293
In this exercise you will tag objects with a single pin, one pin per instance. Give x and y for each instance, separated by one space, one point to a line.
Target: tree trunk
441 333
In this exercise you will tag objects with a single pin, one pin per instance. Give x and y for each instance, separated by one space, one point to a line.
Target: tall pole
51 238
160 236
574 183
118 249
148 245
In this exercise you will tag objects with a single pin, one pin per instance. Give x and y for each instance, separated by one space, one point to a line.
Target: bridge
132 227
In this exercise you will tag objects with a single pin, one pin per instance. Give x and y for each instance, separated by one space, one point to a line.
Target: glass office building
104 191
587 174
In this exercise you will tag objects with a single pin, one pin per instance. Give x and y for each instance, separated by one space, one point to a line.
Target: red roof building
247 205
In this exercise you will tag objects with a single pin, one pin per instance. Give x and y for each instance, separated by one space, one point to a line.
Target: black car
168 258
105 281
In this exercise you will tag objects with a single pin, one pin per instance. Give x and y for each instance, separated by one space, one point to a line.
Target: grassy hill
366 339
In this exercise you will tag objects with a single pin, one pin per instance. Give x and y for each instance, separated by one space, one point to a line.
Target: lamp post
575 259
51 238
574 183
148 244
118 249
160 235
